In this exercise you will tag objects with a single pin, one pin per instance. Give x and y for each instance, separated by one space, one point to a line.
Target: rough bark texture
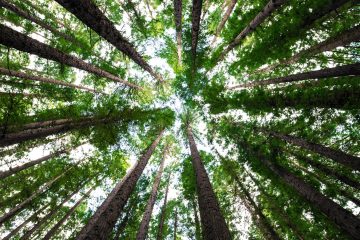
212 220
35 194
195 25
178 27
270 7
343 39
163 214
56 227
226 16
346 70
87 12
21 42
26 76
343 158
14 170
103 221
144 225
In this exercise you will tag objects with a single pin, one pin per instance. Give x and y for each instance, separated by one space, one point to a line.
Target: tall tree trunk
163 214
270 7
343 39
56 227
35 194
338 156
144 225
257 215
32 18
21 42
26 76
226 16
102 222
14 170
50 214
178 27
175 223
347 70
195 25
212 220
87 12
328 171
342 217
196 219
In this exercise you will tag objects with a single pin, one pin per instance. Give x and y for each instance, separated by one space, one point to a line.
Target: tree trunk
197 222
347 70
122 226
56 227
175 223
270 7
257 215
195 25
178 27
338 156
144 225
224 20
102 222
14 170
328 171
26 76
87 12
50 214
163 214
35 194
21 42
342 217
213 222
343 39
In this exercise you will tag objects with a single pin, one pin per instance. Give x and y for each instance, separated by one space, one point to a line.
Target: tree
163 213
178 27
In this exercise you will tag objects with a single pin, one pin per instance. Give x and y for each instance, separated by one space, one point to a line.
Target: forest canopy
178 119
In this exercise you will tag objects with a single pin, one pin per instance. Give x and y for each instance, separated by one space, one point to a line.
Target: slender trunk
87 12
338 156
144 225
102 222
195 25
270 7
56 227
27 201
197 222
26 76
21 42
213 222
342 217
32 18
14 170
226 16
175 223
328 171
343 39
178 27
263 223
163 214
33 217
347 70
50 214
122 226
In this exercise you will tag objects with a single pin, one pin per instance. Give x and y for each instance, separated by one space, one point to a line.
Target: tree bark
195 25
56 227
14 170
163 214
270 7
213 222
144 225
226 16
346 70
102 222
26 76
175 224
87 12
21 42
338 156
178 27
343 39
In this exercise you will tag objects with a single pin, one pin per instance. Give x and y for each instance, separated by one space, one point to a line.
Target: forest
179 119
